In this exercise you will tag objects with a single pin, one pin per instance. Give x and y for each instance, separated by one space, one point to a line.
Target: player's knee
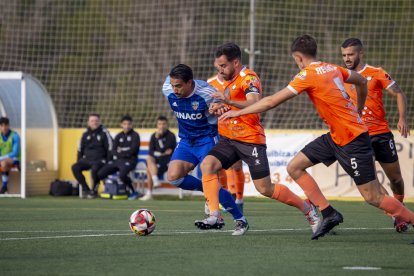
173 176
265 191
176 182
373 199
396 181
209 165
75 168
292 170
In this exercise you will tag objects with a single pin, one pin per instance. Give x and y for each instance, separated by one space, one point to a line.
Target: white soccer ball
142 222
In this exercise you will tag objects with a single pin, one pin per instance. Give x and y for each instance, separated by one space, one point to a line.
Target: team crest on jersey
233 87
369 78
195 105
301 75
251 80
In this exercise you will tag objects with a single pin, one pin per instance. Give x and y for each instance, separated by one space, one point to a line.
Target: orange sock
312 191
400 198
392 206
223 178
231 186
284 195
239 181
211 188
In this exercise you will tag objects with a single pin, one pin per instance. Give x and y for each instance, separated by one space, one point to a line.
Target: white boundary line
156 233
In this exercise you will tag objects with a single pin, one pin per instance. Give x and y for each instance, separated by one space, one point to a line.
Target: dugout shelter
26 102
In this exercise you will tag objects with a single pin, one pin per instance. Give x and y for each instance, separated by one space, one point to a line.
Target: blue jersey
194 120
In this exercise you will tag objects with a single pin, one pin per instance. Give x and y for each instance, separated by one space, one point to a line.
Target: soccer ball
142 222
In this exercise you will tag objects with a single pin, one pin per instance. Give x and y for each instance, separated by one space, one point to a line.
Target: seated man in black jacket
125 152
94 151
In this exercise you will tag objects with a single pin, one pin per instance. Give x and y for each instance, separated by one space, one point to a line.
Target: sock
191 183
211 187
400 198
223 178
5 179
231 185
155 181
284 195
227 201
312 191
239 201
327 211
239 183
392 206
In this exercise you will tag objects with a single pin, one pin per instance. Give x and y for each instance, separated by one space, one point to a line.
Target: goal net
112 56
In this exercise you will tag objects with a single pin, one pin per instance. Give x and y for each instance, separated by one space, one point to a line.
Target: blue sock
191 183
227 201
5 179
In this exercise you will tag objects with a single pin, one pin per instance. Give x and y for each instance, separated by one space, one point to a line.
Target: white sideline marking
156 233
361 268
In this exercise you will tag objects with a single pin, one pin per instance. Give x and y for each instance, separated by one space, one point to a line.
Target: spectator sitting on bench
125 151
161 147
9 151
94 151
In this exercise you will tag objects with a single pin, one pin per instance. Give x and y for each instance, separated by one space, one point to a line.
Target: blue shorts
194 151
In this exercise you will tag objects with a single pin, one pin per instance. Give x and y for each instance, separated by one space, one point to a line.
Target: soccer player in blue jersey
190 99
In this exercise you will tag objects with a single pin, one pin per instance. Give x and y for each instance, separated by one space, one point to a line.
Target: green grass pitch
69 236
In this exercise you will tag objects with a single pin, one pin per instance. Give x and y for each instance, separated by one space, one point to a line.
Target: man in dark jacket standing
94 151
125 152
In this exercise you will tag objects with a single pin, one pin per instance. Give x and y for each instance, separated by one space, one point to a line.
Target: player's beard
230 76
354 64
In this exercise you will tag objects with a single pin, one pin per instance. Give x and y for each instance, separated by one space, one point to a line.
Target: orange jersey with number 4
246 128
373 114
324 84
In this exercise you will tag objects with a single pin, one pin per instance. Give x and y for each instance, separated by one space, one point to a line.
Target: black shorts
384 147
230 151
162 165
356 158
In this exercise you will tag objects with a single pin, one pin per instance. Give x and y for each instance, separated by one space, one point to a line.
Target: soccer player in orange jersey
242 138
347 142
373 115
234 175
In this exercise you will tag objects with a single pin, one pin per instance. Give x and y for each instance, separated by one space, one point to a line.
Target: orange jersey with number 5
246 128
324 84
373 114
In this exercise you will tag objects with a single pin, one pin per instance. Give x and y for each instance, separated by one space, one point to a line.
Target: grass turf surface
69 236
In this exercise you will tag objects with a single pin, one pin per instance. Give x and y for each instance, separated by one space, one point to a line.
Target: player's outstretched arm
264 104
361 88
251 98
402 124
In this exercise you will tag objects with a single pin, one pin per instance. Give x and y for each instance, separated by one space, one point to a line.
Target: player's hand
214 107
219 96
221 111
229 114
403 128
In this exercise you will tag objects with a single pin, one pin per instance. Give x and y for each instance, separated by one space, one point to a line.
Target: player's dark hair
181 72
230 50
4 121
94 115
353 42
126 118
162 118
306 45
